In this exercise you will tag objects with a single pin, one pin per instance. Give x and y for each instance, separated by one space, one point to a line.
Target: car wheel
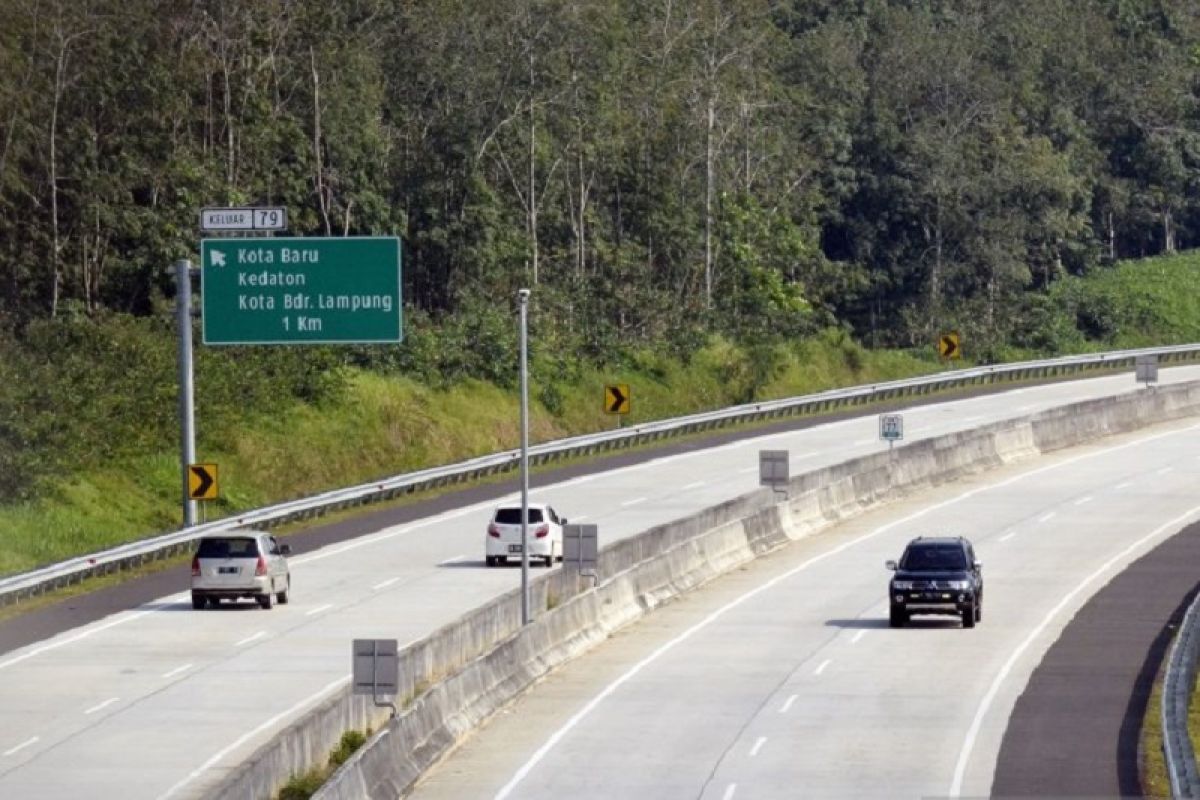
897 617
979 612
548 562
968 616
285 595
199 601
266 600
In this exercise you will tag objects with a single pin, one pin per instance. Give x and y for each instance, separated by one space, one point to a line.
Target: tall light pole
523 301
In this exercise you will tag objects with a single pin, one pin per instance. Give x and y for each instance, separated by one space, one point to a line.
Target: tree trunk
322 197
55 243
533 208
710 124
1168 231
1112 238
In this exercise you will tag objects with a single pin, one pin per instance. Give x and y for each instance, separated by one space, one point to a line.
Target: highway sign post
616 400
202 482
243 219
376 669
581 549
891 428
291 290
773 469
949 345
1146 369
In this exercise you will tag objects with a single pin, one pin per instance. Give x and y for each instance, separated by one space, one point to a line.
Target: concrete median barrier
455 678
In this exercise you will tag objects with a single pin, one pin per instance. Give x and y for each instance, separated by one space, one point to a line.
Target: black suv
936 575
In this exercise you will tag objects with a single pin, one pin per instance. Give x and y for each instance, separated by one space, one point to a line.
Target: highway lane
163 701
784 680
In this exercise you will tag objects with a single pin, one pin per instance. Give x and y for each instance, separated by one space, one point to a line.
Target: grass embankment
385 425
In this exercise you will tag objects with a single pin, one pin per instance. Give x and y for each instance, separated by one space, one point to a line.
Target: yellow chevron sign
948 345
202 482
616 399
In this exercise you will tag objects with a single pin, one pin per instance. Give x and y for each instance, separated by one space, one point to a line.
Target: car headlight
960 585
902 584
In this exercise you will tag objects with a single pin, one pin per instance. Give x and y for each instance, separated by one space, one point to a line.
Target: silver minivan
228 566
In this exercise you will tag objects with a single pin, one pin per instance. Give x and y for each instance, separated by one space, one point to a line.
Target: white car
244 564
503 540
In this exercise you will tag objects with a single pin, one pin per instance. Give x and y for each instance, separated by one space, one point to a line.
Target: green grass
1139 303
384 426
302 787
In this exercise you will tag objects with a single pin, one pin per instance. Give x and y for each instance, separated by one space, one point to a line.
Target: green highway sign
291 290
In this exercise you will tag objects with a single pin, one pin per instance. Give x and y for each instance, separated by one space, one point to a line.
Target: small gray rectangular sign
1147 368
773 468
376 667
581 546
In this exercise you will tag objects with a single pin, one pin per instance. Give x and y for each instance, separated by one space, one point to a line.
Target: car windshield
947 558
512 516
228 548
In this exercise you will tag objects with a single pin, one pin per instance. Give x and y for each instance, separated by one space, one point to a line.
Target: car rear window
512 516
237 547
949 557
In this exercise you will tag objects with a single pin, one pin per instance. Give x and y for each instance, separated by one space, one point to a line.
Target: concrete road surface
783 680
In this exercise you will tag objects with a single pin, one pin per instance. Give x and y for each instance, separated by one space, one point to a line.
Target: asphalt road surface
162 701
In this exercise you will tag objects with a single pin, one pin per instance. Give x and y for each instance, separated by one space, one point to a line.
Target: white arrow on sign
218 258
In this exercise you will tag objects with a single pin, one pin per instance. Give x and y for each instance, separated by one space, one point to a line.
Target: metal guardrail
38 581
1178 748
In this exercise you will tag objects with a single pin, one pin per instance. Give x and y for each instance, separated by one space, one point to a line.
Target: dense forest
657 170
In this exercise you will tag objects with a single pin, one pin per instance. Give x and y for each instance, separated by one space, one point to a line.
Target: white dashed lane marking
787 704
758 746
177 670
103 705
21 746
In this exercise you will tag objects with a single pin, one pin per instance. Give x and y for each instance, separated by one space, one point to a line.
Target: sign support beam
187 410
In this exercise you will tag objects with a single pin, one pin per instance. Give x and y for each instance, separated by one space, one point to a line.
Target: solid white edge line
99 706
757 746
177 670
191 776
22 745
578 716
251 638
964 754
